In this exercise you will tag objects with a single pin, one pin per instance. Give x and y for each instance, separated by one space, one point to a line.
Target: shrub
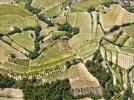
40 38
65 27
114 28
90 9
13 55
126 24
70 31
33 54
49 22
1 34
68 64
108 3
16 30
75 30
32 9
36 45
28 28
6 82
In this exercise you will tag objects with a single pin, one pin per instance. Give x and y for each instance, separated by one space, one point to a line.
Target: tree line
34 89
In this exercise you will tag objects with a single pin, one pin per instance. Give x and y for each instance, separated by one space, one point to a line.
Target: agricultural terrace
54 11
45 4
51 52
83 5
79 78
77 71
5 28
49 40
120 48
115 16
86 42
26 42
11 16
54 52
13 10
6 2
6 50
129 30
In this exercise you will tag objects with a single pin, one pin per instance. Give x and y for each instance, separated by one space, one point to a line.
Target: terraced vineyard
52 39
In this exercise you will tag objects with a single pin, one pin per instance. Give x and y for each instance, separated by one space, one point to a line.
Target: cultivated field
26 41
6 50
115 16
83 5
34 52
54 53
44 4
119 47
83 44
53 11
11 9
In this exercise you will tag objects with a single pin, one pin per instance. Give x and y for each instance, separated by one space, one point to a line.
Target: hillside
78 40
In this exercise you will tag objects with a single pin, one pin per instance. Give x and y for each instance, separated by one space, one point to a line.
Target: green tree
6 82
75 30
68 64
13 55
91 9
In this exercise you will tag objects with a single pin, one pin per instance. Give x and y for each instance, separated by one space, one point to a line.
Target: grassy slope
82 44
53 53
83 5
4 28
44 4
12 20
26 41
11 9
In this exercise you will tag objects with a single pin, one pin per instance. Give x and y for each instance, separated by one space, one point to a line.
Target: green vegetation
65 30
130 8
12 9
58 90
18 1
91 9
6 82
31 9
15 30
54 53
13 55
44 19
33 89
104 77
35 53
26 42
108 3
58 35
68 28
